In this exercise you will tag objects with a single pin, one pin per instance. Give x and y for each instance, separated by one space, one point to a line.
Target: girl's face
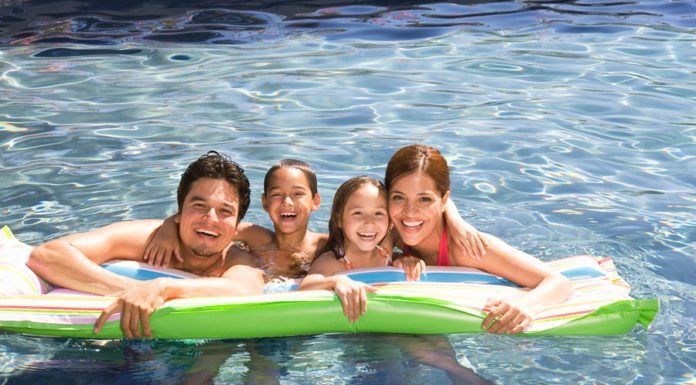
416 207
289 200
364 220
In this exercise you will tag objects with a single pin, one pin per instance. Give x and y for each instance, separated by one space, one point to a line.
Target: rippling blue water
569 127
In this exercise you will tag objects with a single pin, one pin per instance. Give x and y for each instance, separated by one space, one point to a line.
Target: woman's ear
445 198
317 201
177 217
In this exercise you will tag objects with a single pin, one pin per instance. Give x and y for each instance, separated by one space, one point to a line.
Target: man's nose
211 215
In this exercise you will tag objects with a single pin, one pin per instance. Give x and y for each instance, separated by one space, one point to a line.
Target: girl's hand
413 267
353 296
163 246
506 316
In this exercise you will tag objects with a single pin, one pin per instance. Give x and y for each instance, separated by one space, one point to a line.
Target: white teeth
367 235
412 224
288 215
207 233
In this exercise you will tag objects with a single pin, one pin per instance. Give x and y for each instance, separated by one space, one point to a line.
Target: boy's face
208 217
289 201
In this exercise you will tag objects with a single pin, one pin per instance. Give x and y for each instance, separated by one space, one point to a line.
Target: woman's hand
163 246
506 316
413 267
353 296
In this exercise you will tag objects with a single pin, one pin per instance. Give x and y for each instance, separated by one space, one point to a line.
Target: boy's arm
73 261
163 245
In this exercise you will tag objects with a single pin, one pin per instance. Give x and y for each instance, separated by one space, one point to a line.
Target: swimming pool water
569 128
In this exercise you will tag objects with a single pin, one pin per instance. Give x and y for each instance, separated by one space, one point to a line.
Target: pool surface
569 126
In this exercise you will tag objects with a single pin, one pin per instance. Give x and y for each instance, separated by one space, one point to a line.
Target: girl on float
359 222
417 178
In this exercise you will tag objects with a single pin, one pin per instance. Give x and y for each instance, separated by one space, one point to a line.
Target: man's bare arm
73 261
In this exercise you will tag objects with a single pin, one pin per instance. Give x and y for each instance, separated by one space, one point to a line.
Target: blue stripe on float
376 277
139 274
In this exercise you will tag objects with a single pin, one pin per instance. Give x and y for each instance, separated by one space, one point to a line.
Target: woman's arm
547 286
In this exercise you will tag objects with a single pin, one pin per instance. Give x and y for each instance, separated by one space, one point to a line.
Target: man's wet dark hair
217 166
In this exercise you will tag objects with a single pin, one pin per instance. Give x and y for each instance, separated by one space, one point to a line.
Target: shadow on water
239 22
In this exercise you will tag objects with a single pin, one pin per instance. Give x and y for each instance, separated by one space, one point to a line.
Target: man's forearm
250 282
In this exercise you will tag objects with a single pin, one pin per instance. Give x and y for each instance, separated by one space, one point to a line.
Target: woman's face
416 207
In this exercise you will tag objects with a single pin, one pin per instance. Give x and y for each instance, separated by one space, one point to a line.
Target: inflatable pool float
447 300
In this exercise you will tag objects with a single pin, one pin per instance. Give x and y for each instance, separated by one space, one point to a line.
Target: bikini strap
387 257
347 264
443 252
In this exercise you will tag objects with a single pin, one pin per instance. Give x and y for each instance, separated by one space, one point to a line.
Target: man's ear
177 217
264 202
317 202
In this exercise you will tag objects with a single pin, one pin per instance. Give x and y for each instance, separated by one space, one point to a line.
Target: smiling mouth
207 234
412 224
288 215
367 236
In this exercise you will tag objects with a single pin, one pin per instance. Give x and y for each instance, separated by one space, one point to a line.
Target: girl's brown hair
417 157
336 238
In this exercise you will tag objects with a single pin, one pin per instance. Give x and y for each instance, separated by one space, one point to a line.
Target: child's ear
264 202
317 202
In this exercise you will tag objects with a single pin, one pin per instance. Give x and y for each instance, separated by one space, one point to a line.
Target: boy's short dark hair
216 166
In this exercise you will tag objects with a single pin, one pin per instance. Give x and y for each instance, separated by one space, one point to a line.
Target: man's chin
204 252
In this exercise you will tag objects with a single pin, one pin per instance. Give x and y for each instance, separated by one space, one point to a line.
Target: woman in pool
418 182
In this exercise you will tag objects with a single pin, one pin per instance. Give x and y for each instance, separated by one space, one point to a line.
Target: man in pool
213 196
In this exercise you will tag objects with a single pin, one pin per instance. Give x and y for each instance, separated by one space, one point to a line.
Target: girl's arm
512 315
352 294
467 238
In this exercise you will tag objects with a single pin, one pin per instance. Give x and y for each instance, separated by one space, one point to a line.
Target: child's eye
357 213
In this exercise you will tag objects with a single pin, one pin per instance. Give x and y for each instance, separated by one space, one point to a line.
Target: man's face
208 217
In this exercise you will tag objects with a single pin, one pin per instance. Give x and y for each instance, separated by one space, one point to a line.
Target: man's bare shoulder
120 240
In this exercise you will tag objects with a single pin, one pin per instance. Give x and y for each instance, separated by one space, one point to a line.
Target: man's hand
136 304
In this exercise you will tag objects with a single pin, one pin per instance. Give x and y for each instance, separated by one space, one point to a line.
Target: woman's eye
396 197
426 199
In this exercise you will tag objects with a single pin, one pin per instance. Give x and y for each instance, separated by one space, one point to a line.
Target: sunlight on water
568 126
